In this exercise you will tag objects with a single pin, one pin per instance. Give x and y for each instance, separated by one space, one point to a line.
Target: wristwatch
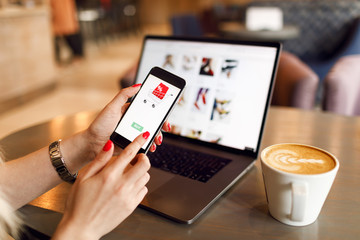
58 162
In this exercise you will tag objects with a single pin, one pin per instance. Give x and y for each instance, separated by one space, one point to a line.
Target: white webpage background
247 88
144 114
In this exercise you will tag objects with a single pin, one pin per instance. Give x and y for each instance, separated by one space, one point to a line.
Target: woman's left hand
105 123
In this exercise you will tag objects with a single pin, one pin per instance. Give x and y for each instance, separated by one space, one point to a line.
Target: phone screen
148 109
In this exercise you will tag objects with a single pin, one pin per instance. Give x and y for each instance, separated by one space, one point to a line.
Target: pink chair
342 87
296 84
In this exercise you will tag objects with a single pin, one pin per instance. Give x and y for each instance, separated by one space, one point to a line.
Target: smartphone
149 108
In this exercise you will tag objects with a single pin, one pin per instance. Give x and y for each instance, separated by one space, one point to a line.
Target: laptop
217 124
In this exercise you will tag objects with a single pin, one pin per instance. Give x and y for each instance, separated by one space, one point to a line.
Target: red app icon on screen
157 95
160 91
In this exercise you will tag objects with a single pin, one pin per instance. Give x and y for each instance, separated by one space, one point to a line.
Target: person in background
106 190
66 26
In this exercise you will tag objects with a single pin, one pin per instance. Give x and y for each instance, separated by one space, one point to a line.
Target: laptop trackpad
158 178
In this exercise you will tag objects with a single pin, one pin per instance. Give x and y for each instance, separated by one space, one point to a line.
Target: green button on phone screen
137 126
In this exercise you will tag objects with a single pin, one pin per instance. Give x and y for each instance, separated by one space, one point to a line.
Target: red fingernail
146 135
153 148
160 139
107 146
136 85
169 126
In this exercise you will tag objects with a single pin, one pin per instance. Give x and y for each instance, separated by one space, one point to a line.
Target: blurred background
59 57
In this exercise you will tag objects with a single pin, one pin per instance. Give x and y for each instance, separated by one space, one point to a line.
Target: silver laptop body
221 113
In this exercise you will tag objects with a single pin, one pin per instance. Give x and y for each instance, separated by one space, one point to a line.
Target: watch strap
58 162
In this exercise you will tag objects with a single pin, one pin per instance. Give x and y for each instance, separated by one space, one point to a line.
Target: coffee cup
297 181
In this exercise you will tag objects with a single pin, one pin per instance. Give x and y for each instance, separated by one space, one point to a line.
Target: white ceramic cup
296 199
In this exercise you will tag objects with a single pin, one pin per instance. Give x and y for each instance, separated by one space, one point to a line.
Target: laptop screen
228 87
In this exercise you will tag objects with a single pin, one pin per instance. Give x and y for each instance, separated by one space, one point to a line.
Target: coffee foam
298 159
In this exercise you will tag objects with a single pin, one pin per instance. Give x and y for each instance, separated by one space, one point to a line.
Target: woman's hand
106 192
102 127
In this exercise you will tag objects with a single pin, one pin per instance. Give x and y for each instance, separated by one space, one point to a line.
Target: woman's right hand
106 192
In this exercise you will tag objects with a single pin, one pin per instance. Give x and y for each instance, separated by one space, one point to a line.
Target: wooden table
242 212
238 31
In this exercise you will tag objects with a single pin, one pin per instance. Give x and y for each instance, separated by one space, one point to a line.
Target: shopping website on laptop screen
227 88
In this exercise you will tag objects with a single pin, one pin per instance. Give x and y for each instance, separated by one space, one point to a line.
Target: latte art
289 157
299 159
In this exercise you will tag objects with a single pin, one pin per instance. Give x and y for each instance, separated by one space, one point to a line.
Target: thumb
99 162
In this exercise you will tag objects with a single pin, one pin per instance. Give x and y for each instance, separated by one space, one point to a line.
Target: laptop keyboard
188 163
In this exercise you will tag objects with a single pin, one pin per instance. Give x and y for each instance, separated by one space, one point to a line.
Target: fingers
118 104
141 185
152 148
157 141
140 196
166 126
134 175
129 153
123 109
139 176
99 162
159 138
122 97
140 167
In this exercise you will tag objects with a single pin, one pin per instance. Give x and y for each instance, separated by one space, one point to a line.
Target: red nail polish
153 148
136 85
169 127
107 146
160 139
146 135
